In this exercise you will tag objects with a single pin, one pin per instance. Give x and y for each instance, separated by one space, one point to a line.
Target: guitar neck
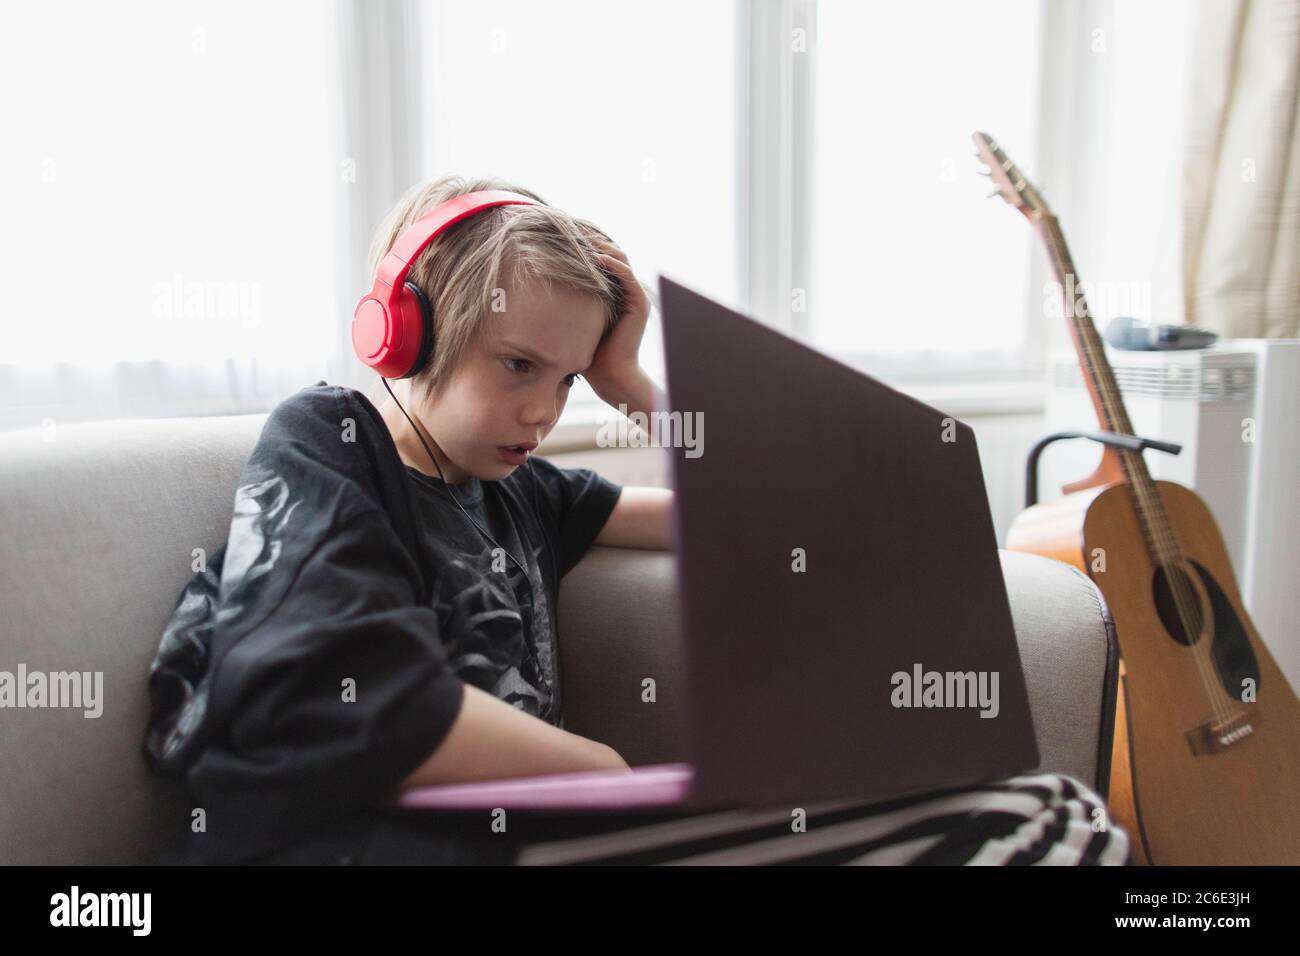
1106 399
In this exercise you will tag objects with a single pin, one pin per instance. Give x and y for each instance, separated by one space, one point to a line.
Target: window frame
775 209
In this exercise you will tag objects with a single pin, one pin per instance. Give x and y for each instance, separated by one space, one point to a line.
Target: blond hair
460 271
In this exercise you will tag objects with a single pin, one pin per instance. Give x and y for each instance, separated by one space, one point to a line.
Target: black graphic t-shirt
321 654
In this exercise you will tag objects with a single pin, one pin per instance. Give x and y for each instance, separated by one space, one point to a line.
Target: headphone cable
432 458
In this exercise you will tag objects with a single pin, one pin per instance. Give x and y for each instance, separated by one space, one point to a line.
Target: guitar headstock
1010 181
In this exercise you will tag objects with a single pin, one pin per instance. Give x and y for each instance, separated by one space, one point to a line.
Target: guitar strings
1149 505
1152 516
1150 509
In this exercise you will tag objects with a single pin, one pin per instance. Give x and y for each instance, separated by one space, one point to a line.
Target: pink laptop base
662 784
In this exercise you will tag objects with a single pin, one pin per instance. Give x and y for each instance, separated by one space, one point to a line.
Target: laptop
845 624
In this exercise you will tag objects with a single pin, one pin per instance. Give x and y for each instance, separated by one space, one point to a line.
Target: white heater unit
1235 409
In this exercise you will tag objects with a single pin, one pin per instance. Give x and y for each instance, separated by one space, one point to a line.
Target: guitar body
1198 777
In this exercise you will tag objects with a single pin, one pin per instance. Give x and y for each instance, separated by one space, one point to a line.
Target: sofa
99 522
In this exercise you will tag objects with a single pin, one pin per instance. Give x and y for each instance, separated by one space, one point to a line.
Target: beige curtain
1242 184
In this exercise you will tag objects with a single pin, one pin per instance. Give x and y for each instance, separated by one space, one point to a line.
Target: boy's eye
526 365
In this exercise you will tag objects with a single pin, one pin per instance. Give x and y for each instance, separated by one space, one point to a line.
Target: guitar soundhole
1172 590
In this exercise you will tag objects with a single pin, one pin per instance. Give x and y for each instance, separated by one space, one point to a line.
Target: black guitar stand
1113 439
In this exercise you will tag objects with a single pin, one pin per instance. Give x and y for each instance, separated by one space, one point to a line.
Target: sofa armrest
1070 656
618 625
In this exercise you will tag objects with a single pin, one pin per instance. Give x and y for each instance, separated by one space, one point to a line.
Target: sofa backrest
100 522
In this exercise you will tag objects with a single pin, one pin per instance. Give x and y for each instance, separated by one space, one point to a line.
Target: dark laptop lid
834 544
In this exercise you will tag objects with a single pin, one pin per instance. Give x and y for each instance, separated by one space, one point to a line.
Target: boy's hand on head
616 362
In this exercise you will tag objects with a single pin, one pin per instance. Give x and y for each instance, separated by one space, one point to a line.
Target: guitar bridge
1216 736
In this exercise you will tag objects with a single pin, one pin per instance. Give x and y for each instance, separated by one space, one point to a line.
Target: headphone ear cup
426 329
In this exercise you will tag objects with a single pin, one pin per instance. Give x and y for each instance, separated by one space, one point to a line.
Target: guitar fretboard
1106 398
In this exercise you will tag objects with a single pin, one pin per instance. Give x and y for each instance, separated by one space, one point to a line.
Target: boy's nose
543 413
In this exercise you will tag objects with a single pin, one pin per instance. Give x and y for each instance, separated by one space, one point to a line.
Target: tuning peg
985 171
996 192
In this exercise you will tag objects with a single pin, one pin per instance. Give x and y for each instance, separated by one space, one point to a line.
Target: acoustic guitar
1206 761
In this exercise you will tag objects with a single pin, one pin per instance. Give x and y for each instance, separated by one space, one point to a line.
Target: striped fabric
1047 819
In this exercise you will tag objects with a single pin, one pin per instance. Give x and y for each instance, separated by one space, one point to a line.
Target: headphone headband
389 324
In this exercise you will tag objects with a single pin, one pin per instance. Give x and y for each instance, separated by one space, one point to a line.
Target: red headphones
392 326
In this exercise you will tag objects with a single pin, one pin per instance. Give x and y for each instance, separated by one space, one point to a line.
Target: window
189 205
913 271
1118 181
168 208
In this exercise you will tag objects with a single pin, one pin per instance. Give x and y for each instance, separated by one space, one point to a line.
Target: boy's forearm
636 393
491 740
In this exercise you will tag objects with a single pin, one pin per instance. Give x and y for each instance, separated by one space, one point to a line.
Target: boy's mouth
516 454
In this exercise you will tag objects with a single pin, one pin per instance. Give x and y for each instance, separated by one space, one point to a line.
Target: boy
356 635
506 387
